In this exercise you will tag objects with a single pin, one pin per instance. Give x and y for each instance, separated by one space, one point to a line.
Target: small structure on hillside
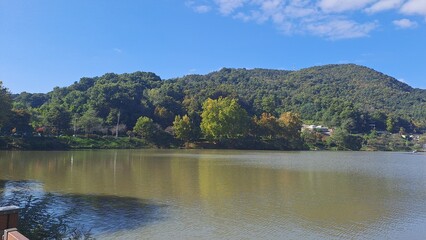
317 128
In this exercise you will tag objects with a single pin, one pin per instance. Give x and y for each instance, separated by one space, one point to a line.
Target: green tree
266 126
5 105
57 118
29 100
182 128
146 128
123 93
343 140
352 120
394 124
163 116
379 120
152 132
314 140
223 118
291 124
19 122
90 122
290 127
269 104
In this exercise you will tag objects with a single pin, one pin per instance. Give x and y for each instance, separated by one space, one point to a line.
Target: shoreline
67 143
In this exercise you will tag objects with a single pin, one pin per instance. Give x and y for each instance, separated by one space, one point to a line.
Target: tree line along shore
231 108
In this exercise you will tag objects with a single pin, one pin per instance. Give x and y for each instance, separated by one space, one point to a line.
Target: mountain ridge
327 94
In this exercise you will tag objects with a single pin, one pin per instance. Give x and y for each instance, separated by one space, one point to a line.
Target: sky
49 43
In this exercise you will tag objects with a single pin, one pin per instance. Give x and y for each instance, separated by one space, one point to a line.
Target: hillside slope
330 94
311 91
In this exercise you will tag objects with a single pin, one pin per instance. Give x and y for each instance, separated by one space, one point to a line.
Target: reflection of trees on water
110 214
55 216
2 184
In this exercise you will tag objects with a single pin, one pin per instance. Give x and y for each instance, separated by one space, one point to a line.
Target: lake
217 194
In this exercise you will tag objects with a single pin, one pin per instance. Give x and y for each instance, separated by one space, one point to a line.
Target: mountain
319 94
334 95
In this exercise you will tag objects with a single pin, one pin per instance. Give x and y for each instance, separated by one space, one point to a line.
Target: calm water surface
206 194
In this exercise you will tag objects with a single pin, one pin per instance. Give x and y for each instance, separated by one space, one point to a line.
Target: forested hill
310 91
347 95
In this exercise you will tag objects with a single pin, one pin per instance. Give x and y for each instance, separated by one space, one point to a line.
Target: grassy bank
386 142
70 142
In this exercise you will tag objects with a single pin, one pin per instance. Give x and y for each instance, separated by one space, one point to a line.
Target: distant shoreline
65 143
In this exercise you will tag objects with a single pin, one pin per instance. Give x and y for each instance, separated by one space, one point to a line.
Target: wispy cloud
414 7
228 6
202 8
338 29
343 5
199 7
117 50
331 19
384 5
405 23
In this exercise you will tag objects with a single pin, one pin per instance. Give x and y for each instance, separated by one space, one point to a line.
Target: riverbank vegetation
230 108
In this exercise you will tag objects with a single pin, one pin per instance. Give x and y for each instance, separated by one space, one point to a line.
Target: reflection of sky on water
13 189
98 213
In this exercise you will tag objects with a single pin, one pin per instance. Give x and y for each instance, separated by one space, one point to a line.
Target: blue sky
48 43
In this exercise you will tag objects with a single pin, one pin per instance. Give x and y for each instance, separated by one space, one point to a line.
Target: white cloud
228 6
271 5
331 19
343 5
117 50
202 9
339 29
198 7
302 16
384 5
405 23
299 12
414 7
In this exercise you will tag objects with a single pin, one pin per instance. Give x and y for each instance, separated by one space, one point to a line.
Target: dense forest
231 107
